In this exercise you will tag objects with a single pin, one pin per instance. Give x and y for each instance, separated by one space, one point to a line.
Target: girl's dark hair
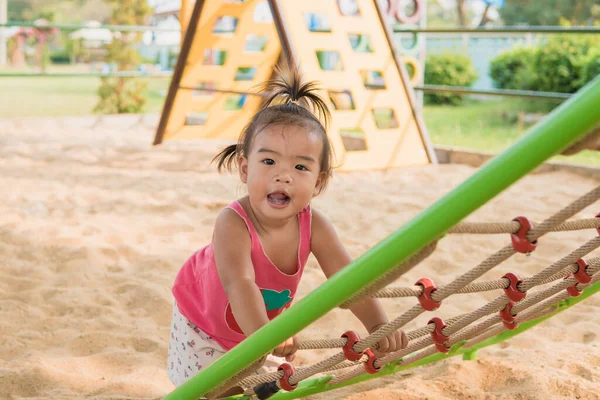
288 101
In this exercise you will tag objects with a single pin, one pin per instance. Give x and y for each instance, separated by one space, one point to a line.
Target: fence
481 45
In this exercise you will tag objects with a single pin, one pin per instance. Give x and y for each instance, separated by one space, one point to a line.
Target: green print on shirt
275 303
275 300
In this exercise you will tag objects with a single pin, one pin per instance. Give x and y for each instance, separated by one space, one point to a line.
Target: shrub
448 69
559 64
591 67
60 57
121 95
563 63
514 69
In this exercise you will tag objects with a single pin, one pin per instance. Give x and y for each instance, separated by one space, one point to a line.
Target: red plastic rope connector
519 239
284 383
581 274
507 318
512 292
351 339
425 298
438 337
370 364
572 290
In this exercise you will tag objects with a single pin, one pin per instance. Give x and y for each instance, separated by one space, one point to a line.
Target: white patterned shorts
192 350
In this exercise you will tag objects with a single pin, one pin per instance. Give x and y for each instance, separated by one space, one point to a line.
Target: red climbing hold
519 239
512 291
370 364
581 274
425 298
351 339
439 339
288 371
507 318
572 290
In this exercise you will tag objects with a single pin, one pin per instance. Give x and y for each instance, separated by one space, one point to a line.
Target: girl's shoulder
317 215
230 221
321 225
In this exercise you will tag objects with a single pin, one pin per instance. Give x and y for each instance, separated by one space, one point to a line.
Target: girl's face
282 170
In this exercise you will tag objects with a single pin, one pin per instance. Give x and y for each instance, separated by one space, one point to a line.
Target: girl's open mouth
278 199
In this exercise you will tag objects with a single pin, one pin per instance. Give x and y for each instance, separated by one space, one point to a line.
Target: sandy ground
94 225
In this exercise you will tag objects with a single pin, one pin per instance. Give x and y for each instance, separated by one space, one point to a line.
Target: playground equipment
210 97
346 46
518 308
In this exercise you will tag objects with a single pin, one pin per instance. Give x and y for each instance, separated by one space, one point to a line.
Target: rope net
517 304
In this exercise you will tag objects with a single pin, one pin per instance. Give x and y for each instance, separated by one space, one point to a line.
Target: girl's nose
283 176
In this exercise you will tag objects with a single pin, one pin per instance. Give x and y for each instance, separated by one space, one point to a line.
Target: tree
67 11
124 95
449 14
461 8
551 12
20 10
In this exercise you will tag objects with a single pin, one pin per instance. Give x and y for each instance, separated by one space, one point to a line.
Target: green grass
481 125
489 126
48 96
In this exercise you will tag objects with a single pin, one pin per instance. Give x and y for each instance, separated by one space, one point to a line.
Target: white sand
95 224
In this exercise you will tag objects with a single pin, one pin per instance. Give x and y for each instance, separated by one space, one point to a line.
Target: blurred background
483 70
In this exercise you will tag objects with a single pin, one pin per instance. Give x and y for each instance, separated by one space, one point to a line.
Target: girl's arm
332 257
232 247
231 243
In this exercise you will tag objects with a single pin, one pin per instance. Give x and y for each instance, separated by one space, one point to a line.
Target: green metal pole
74 27
527 94
507 29
396 28
119 74
569 121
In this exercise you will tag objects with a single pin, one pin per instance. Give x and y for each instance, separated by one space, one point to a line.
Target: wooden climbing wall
229 47
375 124
344 45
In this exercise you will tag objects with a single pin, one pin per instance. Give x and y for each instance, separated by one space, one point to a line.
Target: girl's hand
287 349
390 344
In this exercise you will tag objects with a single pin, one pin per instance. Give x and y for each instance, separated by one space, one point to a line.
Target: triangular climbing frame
348 51
193 113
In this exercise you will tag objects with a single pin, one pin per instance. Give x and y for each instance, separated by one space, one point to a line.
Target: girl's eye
268 161
301 167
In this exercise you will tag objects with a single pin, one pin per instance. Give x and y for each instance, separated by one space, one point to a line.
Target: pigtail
227 158
288 88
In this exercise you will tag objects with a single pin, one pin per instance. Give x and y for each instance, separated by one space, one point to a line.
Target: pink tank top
200 295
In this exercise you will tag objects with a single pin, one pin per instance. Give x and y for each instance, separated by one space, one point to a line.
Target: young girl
248 274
